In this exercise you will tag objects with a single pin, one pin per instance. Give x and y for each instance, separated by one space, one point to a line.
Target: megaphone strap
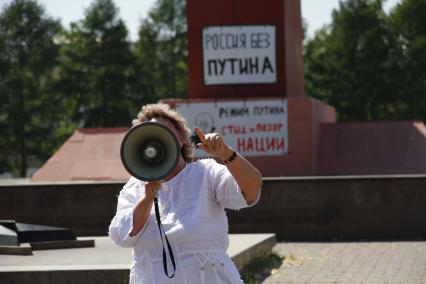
161 229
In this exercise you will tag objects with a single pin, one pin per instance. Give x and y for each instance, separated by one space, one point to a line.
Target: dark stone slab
29 233
8 237
10 224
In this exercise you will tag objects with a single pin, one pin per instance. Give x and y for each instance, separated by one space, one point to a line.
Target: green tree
408 21
349 64
28 55
161 52
95 68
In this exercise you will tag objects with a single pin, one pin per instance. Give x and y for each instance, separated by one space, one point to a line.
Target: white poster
251 127
239 55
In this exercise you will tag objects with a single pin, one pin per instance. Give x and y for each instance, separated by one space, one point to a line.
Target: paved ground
354 262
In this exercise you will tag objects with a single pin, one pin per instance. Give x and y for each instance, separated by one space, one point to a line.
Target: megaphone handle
161 229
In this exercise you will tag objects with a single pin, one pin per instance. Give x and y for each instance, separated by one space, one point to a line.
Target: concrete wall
375 147
369 207
86 208
342 208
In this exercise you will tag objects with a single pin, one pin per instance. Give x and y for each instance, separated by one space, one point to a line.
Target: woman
191 200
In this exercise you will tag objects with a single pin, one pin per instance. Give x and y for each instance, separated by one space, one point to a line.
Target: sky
316 12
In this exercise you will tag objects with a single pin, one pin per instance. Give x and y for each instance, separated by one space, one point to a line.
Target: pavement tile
351 262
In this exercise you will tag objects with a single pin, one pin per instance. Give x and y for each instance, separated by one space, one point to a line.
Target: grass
260 268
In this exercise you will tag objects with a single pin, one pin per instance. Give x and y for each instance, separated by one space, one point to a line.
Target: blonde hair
164 111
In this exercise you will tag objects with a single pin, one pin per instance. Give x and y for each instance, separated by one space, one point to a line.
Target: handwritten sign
239 55
252 127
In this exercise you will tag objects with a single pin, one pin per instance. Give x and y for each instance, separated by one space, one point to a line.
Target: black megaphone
150 151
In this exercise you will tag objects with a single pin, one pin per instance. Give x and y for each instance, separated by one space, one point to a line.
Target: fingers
153 184
213 143
200 134
203 145
216 143
152 187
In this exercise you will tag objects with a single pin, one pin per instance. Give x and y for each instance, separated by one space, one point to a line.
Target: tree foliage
96 67
28 56
350 63
408 21
161 52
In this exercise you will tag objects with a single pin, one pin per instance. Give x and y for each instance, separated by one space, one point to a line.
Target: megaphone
150 151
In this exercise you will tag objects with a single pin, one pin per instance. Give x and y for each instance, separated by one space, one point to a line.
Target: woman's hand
213 144
151 189
143 208
249 178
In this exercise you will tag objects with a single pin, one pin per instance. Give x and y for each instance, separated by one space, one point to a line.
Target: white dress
192 213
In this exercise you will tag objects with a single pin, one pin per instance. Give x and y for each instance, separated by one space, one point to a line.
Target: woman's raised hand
213 143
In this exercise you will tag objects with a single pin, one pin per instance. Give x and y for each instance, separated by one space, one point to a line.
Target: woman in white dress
192 202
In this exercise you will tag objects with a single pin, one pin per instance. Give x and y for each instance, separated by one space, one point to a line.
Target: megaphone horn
150 151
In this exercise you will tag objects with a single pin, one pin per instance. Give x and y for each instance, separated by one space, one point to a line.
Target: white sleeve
226 190
122 223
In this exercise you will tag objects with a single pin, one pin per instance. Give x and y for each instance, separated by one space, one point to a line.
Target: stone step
105 263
